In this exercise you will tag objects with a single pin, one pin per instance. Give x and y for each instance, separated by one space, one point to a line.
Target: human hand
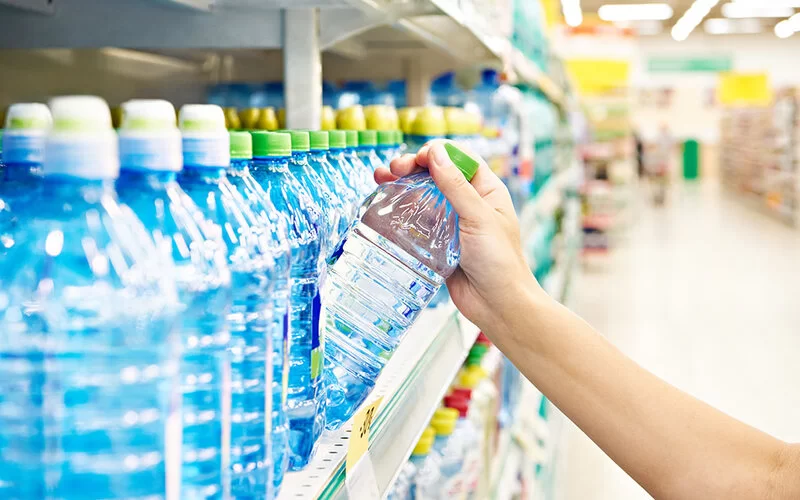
493 275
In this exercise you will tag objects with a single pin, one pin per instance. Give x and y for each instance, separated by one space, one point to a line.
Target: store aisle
705 294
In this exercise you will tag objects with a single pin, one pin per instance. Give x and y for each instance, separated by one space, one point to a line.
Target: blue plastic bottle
150 159
323 197
276 223
343 197
27 125
337 141
88 350
446 92
361 170
389 267
367 143
206 158
306 394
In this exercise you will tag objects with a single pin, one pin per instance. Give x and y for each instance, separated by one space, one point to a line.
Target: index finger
405 165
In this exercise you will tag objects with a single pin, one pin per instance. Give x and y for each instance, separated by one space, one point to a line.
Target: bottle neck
151 179
22 172
202 175
318 154
240 166
300 156
67 186
278 164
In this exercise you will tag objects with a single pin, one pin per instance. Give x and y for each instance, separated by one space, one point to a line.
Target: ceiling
679 7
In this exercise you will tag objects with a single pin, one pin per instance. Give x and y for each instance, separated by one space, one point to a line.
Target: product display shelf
545 203
412 384
526 71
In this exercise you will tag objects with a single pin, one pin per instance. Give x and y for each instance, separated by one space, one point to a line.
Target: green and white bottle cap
351 136
206 142
467 164
26 128
337 139
82 142
271 144
241 146
300 140
319 140
367 138
149 138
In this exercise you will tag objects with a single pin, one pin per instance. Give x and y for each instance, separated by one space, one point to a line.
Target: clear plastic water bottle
276 223
88 349
150 159
449 445
361 171
387 149
425 479
367 143
206 158
388 268
337 140
343 198
314 184
27 125
271 168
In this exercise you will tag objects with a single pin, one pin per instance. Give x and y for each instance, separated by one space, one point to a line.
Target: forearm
672 444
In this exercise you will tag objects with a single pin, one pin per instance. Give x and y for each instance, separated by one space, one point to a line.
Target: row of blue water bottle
213 277
98 305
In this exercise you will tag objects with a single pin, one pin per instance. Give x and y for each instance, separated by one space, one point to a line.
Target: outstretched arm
669 442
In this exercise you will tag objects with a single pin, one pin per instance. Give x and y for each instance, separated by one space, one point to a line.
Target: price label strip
360 479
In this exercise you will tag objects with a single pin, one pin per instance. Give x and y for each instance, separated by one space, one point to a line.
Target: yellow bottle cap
379 117
444 426
471 376
351 118
457 122
281 119
249 118
328 118
406 117
425 442
116 117
267 120
430 121
232 121
445 413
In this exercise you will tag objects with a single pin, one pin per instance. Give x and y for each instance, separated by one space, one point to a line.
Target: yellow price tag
359 436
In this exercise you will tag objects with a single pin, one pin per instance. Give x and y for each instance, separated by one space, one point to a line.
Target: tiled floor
706 294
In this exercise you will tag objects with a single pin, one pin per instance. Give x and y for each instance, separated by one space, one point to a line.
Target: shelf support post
418 81
302 66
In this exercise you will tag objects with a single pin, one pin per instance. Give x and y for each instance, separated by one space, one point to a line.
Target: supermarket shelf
412 383
527 72
547 201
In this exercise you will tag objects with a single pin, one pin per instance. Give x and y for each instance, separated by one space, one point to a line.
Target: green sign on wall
689 64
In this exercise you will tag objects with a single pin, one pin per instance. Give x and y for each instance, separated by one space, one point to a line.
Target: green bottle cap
301 141
352 138
337 139
319 140
478 349
398 137
266 144
467 164
367 138
386 137
241 146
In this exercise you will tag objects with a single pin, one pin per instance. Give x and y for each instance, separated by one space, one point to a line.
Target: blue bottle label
285 374
316 340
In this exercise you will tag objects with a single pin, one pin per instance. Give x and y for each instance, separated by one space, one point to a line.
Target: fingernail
440 156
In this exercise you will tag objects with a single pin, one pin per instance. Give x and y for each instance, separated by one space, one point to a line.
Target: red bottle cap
462 392
483 339
457 403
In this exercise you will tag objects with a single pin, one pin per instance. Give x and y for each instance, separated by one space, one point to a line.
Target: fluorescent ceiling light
635 12
742 11
693 16
784 29
573 15
792 4
722 26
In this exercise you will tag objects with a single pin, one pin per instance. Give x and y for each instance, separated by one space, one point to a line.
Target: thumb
451 182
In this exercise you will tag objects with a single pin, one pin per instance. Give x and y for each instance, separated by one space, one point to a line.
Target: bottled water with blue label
343 197
306 394
277 231
88 348
337 141
361 170
27 125
206 158
150 159
388 268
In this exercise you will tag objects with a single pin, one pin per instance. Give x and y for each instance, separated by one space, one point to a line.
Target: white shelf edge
412 384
